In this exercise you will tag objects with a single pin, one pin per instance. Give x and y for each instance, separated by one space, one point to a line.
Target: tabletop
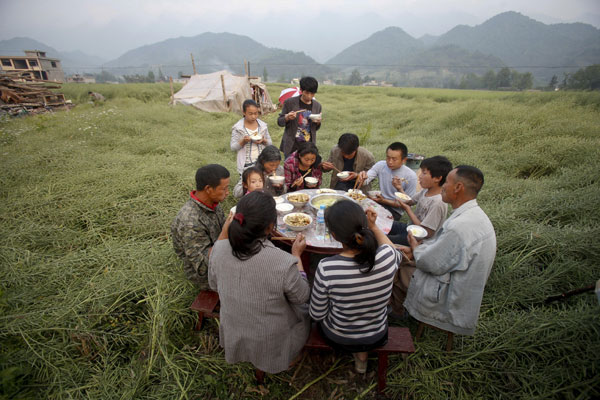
328 244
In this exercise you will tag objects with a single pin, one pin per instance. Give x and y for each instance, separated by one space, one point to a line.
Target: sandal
359 366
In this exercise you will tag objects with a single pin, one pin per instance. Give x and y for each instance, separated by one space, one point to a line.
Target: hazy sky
320 28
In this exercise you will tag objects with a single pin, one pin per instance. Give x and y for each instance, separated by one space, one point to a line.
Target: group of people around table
438 280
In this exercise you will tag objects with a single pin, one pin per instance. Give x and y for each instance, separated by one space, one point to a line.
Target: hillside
212 52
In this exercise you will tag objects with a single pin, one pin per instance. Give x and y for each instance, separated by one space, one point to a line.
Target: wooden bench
449 338
399 341
205 304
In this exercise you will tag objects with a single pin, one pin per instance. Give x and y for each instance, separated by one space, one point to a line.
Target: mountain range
508 39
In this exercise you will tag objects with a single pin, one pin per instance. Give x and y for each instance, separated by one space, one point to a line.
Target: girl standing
249 136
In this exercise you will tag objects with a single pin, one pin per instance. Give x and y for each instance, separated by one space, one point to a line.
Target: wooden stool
399 341
449 340
204 304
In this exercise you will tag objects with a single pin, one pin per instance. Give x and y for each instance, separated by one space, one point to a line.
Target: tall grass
94 303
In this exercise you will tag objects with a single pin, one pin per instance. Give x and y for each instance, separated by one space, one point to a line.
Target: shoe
359 366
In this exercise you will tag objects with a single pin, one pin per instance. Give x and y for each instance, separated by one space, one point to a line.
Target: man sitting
198 224
348 156
452 268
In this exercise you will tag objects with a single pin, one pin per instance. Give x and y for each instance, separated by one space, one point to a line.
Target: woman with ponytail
263 290
351 290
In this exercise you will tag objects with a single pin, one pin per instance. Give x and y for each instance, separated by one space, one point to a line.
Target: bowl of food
328 199
276 180
325 190
278 199
297 221
356 194
373 193
310 181
417 231
284 208
232 209
402 197
298 199
343 174
256 138
315 117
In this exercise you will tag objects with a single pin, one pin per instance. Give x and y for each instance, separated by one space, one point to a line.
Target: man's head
434 171
395 155
308 88
463 183
348 144
213 180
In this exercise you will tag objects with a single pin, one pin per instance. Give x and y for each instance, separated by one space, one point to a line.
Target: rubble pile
19 95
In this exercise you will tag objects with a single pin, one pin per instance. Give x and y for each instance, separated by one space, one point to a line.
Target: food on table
284 208
298 197
297 219
278 199
356 195
319 191
327 201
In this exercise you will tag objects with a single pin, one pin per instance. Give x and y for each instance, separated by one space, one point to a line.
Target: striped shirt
352 305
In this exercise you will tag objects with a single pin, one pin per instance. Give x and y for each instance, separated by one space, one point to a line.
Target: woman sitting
261 288
351 290
301 164
268 162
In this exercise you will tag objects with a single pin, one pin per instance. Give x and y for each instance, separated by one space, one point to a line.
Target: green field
94 303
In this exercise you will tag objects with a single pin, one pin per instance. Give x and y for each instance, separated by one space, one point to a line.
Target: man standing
296 117
452 268
348 156
198 224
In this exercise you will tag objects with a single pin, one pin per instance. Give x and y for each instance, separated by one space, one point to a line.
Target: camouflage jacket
194 231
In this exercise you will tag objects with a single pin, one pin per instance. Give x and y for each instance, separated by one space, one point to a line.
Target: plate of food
256 138
320 191
297 221
403 197
298 199
356 194
417 231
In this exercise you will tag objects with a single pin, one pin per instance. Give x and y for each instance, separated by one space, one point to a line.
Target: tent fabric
206 93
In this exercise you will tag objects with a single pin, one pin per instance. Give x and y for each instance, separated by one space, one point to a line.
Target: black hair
347 221
257 211
348 143
248 103
268 154
210 175
398 146
472 177
438 166
249 171
309 148
309 84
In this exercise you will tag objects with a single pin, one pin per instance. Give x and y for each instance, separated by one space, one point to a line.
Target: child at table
431 211
242 132
303 163
388 171
351 290
252 179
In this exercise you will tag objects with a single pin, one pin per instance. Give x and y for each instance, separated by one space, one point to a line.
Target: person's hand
351 176
371 217
299 245
290 116
327 166
379 198
298 182
406 251
225 230
402 204
362 176
261 141
245 139
397 183
412 241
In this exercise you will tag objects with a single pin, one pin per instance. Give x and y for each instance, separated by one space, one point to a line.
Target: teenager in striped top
352 289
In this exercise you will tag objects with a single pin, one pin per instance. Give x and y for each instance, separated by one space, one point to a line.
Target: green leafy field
94 303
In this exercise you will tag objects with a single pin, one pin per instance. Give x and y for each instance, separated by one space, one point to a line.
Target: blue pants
398 233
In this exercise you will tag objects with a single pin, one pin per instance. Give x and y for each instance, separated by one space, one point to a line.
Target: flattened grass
94 303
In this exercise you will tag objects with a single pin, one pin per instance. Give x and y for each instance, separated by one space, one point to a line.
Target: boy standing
389 171
295 116
198 224
431 211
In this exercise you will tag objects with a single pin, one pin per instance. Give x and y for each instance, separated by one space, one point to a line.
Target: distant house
77 78
34 64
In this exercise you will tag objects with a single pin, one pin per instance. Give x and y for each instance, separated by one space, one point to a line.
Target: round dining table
328 245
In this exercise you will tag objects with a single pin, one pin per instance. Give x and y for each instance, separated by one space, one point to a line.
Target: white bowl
232 210
284 208
256 138
277 180
417 231
291 198
356 195
343 174
315 117
373 193
402 197
297 228
311 181
278 199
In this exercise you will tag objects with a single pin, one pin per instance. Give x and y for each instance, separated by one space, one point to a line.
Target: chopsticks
283 238
307 172
335 169
355 183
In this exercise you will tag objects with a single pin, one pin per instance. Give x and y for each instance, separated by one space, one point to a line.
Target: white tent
222 92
